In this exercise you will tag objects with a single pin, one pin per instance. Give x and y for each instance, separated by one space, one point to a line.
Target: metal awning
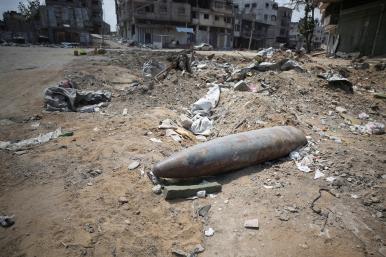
186 30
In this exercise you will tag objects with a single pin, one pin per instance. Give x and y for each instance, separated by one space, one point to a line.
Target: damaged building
172 23
354 26
284 16
255 23
71 20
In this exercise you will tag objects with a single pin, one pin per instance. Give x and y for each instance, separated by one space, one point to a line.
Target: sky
109 10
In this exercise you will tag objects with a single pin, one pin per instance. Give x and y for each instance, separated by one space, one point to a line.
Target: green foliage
29 10
307 23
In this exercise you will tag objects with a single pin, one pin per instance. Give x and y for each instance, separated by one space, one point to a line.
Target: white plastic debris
155 140
202 109
295 156
209 232
303 167
201 194
330 179
304 164
318 174
41 139
174 135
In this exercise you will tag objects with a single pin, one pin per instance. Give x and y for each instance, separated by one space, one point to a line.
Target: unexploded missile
231 152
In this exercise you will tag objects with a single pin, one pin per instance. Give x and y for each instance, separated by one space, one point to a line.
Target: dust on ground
65 193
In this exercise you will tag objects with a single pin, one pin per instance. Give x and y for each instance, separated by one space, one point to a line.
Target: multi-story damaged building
255 22
213 22
71 20
169 23
284 15
354 26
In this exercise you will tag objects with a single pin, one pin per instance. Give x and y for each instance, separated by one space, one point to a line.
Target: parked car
203 47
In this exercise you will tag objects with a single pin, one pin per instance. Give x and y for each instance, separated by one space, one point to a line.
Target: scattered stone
380 66
284 216
198 249
363 116
253 223
123 200
362 66
209 232
186 122
179 252
292 209
21 152
341 109
133 165
157 189
155 140
201 194
203 211
6 221
202 66
89 228
173 192
241 86
338 182
174 135
226 201
124 113
375 199
379 215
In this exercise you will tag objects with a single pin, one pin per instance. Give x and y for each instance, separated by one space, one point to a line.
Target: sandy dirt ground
64 194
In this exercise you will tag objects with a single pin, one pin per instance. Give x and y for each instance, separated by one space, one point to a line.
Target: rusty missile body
231 153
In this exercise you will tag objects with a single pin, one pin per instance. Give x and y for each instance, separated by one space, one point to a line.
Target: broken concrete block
254 223
173 192
241 86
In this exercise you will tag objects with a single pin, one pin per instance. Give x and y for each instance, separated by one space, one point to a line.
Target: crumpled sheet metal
231 153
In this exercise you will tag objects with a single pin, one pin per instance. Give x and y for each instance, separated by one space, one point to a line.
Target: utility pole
252 30
102 25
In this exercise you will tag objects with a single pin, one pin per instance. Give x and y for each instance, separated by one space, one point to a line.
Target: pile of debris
66 98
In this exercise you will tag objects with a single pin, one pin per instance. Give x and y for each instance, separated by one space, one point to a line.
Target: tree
29 10
307 23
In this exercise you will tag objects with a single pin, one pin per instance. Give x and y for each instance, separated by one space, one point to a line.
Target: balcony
174 12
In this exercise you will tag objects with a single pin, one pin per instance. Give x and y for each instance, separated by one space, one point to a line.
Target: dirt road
25 72
65 193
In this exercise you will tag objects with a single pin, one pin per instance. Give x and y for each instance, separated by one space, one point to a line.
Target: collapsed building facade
255 23
71 21
354 26
169 23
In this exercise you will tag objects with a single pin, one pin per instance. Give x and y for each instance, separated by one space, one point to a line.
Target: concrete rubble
160 103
